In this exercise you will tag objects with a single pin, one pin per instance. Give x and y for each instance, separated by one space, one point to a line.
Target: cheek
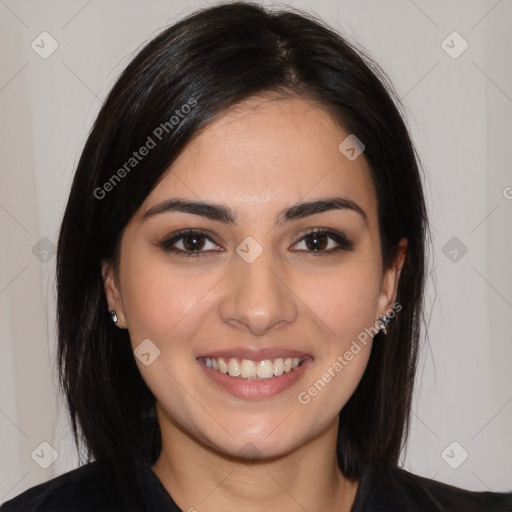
160 301
346 304
345 300
333 384
168 306
164 306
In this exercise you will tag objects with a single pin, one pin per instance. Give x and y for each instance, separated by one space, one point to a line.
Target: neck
201 478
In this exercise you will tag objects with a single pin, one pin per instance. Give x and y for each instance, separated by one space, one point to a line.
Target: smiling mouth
253 370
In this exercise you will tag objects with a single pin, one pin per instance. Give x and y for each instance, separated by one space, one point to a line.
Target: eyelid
342 241
169 241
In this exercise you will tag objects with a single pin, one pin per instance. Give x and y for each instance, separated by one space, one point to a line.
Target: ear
113 294
389 287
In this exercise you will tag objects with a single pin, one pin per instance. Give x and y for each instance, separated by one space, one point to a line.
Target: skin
258 159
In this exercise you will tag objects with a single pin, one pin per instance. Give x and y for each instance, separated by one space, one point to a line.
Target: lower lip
264 388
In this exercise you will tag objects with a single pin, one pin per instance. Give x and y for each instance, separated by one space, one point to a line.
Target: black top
97 487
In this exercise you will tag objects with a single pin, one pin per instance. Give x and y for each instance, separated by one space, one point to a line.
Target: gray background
459 110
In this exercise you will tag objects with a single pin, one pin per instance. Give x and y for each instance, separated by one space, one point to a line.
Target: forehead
268 151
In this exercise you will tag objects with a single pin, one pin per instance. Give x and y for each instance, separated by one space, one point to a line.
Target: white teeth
265 369
233 368
223 367
278 368
248 369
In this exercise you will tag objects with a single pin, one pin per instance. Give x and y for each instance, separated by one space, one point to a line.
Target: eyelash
339 238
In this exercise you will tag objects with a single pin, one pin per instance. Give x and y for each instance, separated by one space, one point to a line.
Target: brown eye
321 242
317 242
193 242
189 243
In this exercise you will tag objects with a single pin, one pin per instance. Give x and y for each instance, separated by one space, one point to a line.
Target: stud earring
384 321
113 315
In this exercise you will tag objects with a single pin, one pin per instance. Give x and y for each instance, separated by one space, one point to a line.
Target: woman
241 269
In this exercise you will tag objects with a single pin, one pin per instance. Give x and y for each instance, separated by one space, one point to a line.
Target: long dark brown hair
218 57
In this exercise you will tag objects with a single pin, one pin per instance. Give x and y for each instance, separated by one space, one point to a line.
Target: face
273 293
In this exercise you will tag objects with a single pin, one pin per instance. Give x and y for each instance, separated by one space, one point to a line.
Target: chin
255 446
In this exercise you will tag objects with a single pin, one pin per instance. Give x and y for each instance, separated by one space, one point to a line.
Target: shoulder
93 486
390 488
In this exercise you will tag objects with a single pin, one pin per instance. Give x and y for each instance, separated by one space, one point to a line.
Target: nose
257 296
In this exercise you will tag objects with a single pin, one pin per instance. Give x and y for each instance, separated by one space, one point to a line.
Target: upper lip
255 355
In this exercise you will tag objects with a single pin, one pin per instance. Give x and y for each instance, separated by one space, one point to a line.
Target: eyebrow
224 214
